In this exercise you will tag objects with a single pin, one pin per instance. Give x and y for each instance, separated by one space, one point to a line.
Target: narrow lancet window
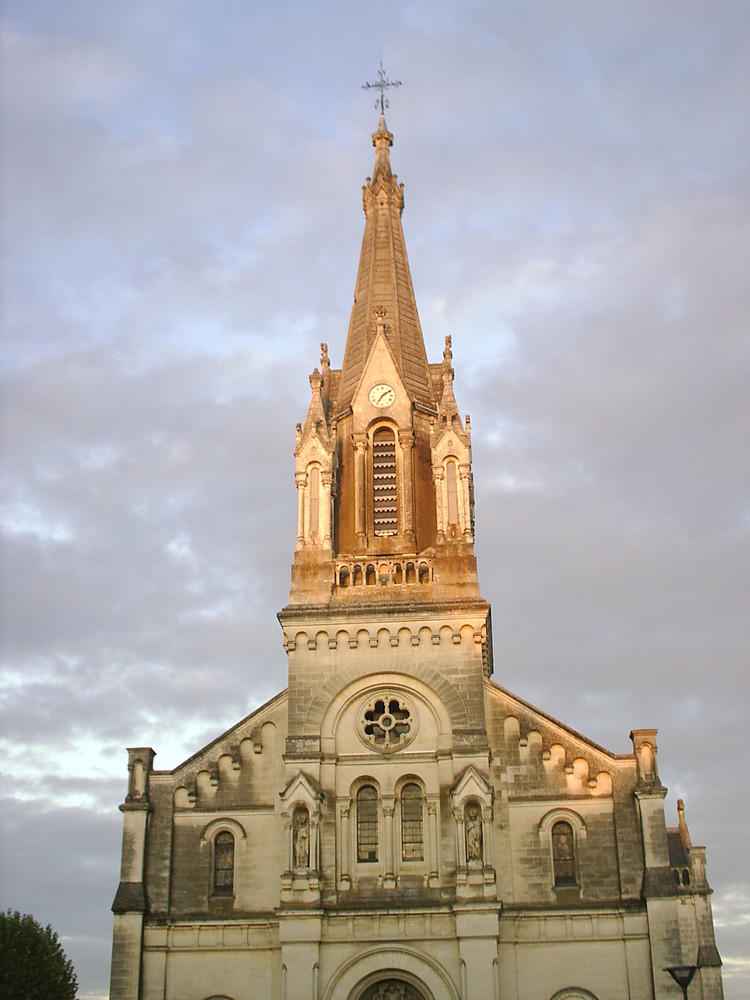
563 854
452 485
224 864
367 824
412 838
314 500
384 487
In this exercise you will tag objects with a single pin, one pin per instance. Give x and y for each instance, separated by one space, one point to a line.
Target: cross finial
382 85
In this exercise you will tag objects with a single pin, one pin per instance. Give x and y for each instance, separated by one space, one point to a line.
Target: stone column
487 835
129 905
314 844
344 846
437 478
389 879
434 867
458 816
406 441
659 890
327 480
300 480
300 935
478 932
465 477
288 844
360 447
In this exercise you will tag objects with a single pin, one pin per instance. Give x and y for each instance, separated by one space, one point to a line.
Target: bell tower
384 558
383 459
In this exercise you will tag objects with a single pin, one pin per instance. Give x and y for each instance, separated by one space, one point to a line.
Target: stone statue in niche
473 824
301 839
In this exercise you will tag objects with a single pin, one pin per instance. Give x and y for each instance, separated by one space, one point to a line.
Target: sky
181 222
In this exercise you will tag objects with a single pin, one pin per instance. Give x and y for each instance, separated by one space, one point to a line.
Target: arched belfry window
223 864
367 824
384 484
412 835
563 854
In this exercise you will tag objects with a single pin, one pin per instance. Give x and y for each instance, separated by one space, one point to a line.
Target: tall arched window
314 500
412 836
563 854
452 488
367 824
384 486
223 864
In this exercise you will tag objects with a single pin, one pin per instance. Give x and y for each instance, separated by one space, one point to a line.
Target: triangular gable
471 785
302 790
380 366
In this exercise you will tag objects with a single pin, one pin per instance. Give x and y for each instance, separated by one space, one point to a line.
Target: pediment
452 441
314 449
471 785
302 790
381 368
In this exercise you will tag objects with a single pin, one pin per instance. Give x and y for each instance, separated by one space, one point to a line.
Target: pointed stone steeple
383 458
384 297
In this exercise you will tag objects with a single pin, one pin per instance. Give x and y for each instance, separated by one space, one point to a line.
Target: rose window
387 722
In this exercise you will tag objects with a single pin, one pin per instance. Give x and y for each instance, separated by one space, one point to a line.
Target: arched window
223 864
314 501
367 824
384 488
563 854
452 485
412 836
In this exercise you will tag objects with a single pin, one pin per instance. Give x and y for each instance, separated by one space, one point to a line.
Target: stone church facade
394 825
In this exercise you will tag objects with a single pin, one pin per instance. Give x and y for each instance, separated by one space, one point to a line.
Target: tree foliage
33 965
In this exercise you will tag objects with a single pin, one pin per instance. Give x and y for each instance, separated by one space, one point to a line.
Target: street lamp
683 976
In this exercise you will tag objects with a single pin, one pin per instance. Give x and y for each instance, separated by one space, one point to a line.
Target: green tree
33 965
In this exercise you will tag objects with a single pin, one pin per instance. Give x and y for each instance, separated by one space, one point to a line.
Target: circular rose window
387 721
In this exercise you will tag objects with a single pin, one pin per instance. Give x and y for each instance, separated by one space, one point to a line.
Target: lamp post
683 976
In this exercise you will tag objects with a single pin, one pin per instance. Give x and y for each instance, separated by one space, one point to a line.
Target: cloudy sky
181 224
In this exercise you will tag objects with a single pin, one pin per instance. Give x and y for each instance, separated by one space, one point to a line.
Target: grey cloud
181 228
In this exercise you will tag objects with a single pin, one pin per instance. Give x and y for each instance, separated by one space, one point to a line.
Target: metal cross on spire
382 85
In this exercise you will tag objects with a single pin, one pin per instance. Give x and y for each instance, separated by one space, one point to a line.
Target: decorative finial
382 85
448 352
380 312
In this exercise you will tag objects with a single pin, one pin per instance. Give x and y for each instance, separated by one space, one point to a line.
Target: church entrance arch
390 973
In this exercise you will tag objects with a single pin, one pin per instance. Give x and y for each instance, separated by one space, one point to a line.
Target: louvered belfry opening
384 491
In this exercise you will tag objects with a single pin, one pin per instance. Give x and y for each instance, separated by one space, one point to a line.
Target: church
395 825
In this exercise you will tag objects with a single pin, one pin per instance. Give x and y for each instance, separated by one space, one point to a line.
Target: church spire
384 298
382 140
385 498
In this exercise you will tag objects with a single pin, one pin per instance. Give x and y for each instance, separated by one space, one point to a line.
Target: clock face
382 395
